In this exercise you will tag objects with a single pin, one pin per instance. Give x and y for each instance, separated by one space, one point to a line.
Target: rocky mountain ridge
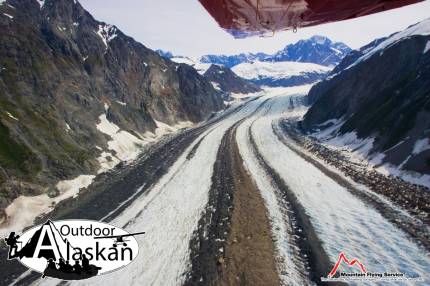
226 80
77 94
378 101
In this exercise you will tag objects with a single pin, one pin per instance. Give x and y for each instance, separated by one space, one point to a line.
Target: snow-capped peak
321 40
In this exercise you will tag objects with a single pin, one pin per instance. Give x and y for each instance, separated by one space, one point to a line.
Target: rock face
227 81
60 70
382 92
318 50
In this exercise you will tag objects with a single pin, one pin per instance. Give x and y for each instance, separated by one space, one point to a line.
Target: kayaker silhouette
12 242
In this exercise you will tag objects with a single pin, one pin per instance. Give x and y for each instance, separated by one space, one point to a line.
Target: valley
282 168
297 203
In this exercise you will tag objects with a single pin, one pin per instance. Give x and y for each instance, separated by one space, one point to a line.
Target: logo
73 249
357 272
342 259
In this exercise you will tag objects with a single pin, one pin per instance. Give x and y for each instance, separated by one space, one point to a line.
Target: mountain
318 50
354 55
76 93
379 100
231 61
304 62
227 81
285 74
221 77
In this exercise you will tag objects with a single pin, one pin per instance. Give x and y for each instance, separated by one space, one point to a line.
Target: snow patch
23 210
163 128
421 145
216 85
121 103
106 127
125 145
7 15
68 127
107 33
11 116
336 51
357 150
195 63
71 188
408 176
427 47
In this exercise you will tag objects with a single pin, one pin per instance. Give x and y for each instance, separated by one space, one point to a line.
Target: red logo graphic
342 258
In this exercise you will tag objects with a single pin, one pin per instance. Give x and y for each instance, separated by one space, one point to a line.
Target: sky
185 28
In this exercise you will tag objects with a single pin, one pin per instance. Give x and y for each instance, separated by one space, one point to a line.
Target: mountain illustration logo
73 249
350 263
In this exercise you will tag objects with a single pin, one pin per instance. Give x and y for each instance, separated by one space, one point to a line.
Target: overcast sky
185 28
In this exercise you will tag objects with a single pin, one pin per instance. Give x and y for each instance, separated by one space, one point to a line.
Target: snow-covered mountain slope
281 73
195 63
317 49
227 81
62 74
419 29
222 78
378 103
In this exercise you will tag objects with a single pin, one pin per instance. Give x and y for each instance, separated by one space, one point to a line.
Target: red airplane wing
243 18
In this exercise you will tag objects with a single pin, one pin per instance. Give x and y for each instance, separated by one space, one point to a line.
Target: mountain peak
317 50
164 54
321 40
